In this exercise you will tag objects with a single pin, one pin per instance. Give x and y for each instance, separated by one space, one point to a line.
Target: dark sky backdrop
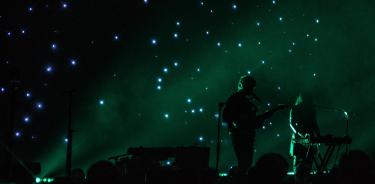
160 68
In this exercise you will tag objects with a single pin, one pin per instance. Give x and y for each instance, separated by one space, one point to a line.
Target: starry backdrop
151 73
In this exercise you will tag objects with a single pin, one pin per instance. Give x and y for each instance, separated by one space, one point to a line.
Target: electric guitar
258 121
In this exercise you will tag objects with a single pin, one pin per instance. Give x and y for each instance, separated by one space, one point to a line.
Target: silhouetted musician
303 122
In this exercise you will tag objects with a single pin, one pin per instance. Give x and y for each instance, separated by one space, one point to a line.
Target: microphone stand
219 121
346 131
68 165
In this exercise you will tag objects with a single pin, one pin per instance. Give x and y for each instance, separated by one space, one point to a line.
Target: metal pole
221 105
69 136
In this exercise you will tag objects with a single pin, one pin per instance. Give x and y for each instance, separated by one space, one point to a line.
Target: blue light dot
192 111
39 105
218 44
49 69
201 109
277 135
317 21
198 69
73 62
23 31
175 35
259 43
248 72
18 134
216 115
166 115
263 127
165 70
314 74
28 94
26 119
101 102
201 138
316 39
273 2
160 79
234 6
64 5
202 3
116 37
258 23
66 140
2 89
175 64
145 1
30 9
158 87
168 162
53 46
9 33
154 41
263 62
280 19
178 23
239 45
207 32
188 100
278 87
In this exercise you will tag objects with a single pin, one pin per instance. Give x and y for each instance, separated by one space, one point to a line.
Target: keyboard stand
322 164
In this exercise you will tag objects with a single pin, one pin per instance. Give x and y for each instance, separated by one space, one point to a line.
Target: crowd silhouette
353 167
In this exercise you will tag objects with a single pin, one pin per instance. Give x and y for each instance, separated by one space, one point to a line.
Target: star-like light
201 109
200 138
26 119
175 35
64 5
165 70
49 68
101 102
28 94
234 6
53 46
73 62
39 105
154 41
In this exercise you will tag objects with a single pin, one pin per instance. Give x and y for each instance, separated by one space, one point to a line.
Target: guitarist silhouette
240 113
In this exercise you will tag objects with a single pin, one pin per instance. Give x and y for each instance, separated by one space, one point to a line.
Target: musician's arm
292 124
